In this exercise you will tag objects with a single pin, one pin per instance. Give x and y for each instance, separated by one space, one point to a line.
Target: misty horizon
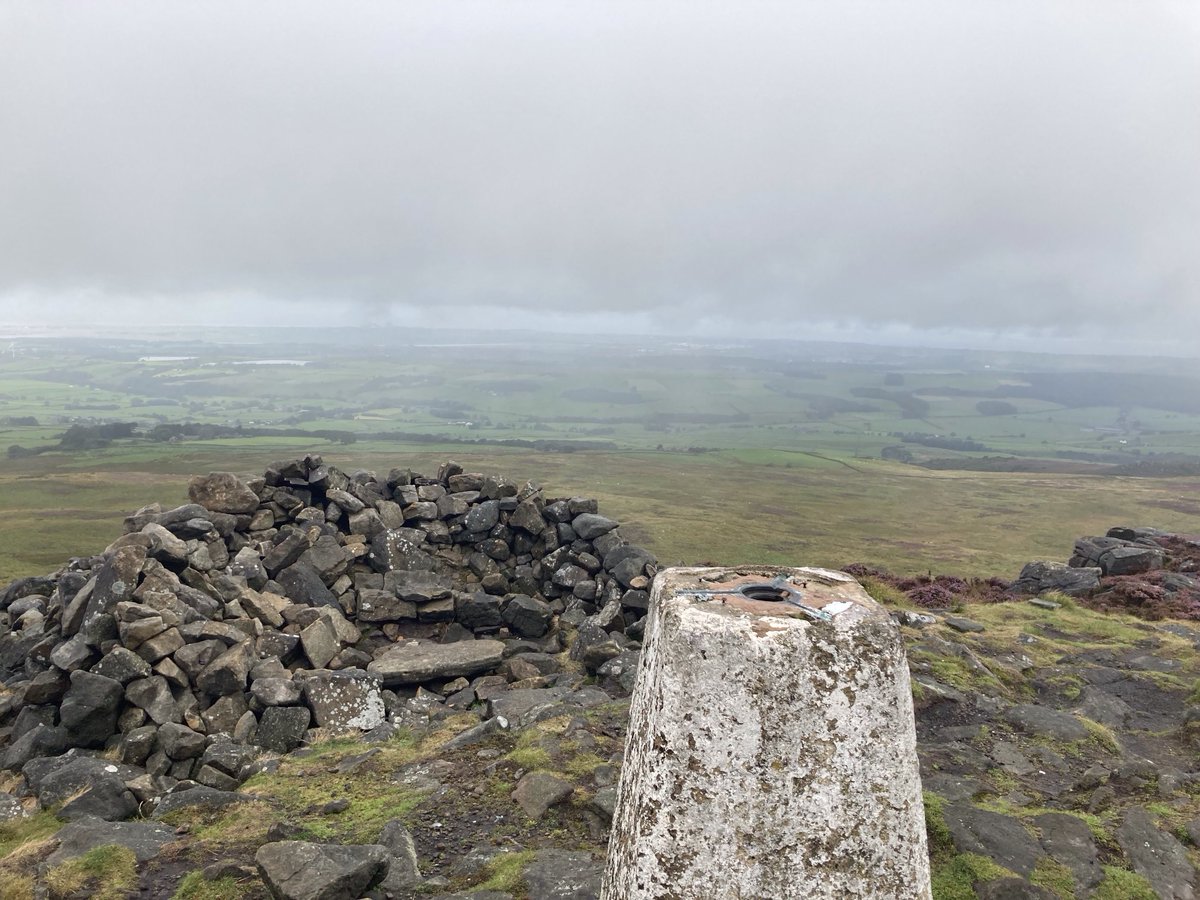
1008 175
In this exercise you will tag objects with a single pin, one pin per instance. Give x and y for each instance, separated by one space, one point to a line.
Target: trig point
771 750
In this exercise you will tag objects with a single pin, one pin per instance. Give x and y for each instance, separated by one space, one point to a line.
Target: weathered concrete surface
769 754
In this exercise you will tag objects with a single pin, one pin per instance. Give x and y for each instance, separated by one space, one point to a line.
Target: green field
766 452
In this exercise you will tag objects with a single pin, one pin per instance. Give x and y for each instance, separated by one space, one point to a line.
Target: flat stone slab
1000 838
199 796
298 870
416 663
1034 719
563 875
1156 856
82 835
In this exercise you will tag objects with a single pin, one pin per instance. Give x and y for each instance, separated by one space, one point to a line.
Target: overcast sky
969 166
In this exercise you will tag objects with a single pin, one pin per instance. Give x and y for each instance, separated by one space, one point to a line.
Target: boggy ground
1058 751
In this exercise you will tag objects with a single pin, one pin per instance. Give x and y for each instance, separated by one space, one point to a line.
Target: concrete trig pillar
771 752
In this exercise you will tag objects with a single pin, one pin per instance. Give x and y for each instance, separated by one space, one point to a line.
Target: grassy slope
730 507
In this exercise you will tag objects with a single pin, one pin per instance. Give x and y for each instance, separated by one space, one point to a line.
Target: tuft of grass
301 786
582 765
883 593
244 823
195 887
956 878
530 758
1193 699
16 887
18 832
1054 876
1101 735
1122 884
506 872
110 871
936 829
957 673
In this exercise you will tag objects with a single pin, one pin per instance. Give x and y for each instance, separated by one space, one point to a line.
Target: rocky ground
462 731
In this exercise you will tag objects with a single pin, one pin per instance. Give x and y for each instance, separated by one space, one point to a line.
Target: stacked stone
1122 551
308 598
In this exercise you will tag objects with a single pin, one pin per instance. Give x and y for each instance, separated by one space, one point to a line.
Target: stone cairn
266 614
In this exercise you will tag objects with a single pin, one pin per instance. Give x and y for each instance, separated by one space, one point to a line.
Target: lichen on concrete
770 754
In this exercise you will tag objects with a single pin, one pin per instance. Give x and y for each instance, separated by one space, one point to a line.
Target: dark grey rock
40 741
527 617
180 742
594 646
590 526
478 612
964 625
1068 839
1042 720
564 875
538 791
58 779
79 837
282 728
198 796
137 745
89 708
1157 856
404 870
228 672
620 672
301 583
1039 577
298 870
320 642
1130 560
384 606
483 517
1000 838
276 691
417 586
73 654
105 798
46 687
153 695
414 663
122 665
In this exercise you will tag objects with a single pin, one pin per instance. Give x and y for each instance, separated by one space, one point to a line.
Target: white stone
770 754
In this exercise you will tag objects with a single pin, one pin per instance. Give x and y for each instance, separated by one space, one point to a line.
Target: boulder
223 492
384 606
153 695
1130 560
527 617
228 672
538 791
282 728
1039 576
590 526
298 870
76 839
180 742
89 709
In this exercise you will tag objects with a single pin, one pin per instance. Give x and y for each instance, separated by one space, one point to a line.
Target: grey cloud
987 165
